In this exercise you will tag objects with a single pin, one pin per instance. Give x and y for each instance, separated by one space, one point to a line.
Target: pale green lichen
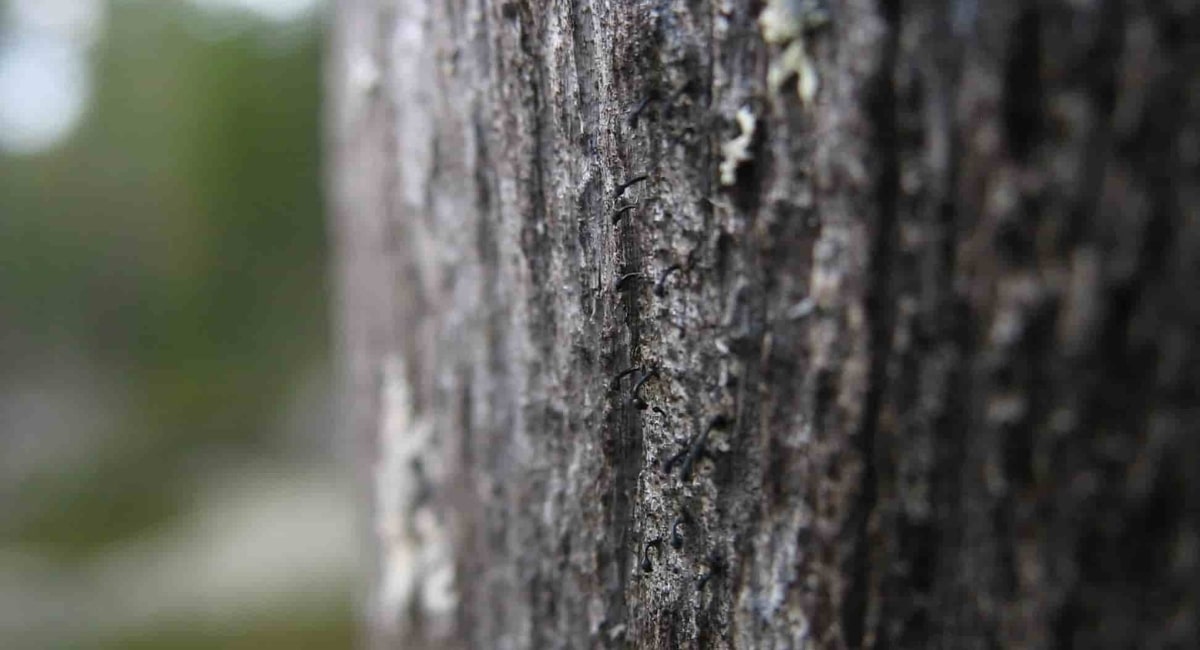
737 151
785 23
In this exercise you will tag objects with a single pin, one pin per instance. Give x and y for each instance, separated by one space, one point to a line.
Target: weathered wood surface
937 284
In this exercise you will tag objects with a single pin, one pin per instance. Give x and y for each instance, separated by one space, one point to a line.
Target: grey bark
925 371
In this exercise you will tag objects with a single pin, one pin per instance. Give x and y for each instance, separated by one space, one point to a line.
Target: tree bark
906 293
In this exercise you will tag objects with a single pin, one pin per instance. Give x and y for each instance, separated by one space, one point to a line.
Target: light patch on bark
417 572
736 151
785 23
412 82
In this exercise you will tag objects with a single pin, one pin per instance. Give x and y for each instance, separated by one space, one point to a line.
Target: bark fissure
866 563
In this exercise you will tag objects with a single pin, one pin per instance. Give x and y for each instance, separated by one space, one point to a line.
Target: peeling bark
855 324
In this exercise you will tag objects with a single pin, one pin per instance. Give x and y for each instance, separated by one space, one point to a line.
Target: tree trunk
773 324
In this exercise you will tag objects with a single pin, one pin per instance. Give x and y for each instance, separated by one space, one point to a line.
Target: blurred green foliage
334 630
176 242
178 239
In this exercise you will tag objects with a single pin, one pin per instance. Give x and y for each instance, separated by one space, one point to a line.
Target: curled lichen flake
737 151
785 23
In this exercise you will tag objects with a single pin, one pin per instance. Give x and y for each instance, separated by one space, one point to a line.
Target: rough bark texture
912 286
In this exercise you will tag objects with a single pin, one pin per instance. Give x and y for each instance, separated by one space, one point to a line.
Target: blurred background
168 473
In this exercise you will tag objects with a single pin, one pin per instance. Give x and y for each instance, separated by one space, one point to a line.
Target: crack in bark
860 603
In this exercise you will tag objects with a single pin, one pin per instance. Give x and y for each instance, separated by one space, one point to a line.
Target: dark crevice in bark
588 204
1022 107
861 565
584 53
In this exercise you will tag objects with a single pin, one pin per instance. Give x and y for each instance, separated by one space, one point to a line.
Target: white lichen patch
737 151
794 61
415 544
785 23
